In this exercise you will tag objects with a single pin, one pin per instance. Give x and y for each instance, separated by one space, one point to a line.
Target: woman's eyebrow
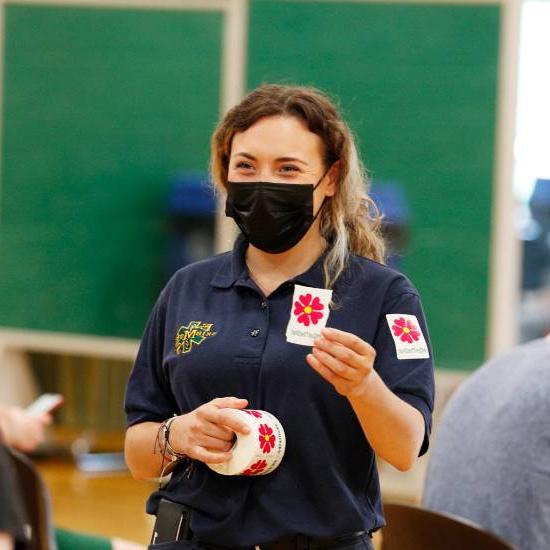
246 155
279 159
291 159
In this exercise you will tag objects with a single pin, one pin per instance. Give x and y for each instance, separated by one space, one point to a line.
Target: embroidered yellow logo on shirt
196 332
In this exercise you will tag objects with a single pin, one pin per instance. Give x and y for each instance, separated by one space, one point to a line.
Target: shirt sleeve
148 394
404 355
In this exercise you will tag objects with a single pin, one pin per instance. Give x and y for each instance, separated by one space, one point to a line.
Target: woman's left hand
344 360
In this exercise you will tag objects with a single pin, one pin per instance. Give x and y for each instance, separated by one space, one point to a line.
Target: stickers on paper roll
259 452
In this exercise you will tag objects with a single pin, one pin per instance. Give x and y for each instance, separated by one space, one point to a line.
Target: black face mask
272 216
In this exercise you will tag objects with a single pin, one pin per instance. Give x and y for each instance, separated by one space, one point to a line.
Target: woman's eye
243 165
289 169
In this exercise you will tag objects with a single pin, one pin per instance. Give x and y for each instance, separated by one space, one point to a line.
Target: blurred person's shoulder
520 377
533 356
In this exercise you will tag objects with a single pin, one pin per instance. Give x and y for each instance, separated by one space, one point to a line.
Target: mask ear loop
325 198
322 177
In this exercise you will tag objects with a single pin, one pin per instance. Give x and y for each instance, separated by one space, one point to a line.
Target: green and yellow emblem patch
196 332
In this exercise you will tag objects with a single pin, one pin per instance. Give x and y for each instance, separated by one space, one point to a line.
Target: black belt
296 542
173 524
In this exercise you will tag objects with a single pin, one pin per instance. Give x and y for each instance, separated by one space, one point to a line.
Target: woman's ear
333 178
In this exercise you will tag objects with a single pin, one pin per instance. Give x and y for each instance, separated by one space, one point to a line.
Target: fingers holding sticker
343 359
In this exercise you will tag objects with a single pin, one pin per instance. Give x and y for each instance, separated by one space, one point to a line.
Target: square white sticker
407 336
309 314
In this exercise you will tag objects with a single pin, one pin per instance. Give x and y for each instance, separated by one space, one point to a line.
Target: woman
295 187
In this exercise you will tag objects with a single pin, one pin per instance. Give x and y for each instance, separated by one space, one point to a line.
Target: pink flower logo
266 437
406 330
251 412
308 310
256 468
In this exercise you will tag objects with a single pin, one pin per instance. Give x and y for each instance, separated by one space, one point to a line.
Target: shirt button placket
257 331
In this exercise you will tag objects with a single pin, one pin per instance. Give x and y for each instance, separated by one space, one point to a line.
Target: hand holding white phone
24 429
46 403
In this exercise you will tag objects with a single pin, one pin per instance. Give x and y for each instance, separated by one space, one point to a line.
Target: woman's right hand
207 433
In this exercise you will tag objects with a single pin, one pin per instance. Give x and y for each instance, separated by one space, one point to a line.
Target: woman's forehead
278 137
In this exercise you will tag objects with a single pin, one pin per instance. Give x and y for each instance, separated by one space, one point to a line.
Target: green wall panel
101 108
418 85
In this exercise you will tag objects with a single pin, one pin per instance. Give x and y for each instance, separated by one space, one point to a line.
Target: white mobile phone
46 403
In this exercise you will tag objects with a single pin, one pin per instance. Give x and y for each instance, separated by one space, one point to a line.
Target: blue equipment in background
192 212
392 202
536 239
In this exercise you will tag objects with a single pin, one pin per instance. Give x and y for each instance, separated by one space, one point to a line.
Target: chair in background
414 528
36 502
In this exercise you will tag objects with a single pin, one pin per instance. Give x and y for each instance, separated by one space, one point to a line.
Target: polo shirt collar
233 270
233 267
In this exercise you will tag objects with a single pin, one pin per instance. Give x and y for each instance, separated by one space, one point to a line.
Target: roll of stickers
259 452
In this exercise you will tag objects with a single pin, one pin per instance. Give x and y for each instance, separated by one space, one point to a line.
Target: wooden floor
111 505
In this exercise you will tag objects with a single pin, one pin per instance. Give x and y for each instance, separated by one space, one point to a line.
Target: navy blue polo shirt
327 483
